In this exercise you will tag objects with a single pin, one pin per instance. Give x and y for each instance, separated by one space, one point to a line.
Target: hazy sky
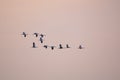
93 23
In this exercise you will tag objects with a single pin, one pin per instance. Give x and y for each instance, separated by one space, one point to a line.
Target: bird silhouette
52 47
60 46
41 39
67 46
34 46
45 46
80 47
42 35
36 34
24 34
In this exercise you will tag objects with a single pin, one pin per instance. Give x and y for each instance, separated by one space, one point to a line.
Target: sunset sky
95 24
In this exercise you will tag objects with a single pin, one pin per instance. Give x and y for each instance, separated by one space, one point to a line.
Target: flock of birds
41 36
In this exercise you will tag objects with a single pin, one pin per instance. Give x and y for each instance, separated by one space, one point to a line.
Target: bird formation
41 36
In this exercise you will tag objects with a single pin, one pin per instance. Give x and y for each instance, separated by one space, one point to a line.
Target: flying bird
60 46
42 35
45 46
24 34
41 39
67 46
52 47
80 47
34 46
36 34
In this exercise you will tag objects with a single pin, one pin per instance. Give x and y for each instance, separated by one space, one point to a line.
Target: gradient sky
93 23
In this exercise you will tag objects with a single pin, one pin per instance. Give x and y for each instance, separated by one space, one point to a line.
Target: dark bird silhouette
34 46
41 39
80 47
45 46
60 46
52 47
42 35
24 34
67 46
36 34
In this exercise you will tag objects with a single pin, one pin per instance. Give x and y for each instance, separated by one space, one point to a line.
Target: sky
95 24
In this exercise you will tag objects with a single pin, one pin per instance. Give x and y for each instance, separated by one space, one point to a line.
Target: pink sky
93 23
